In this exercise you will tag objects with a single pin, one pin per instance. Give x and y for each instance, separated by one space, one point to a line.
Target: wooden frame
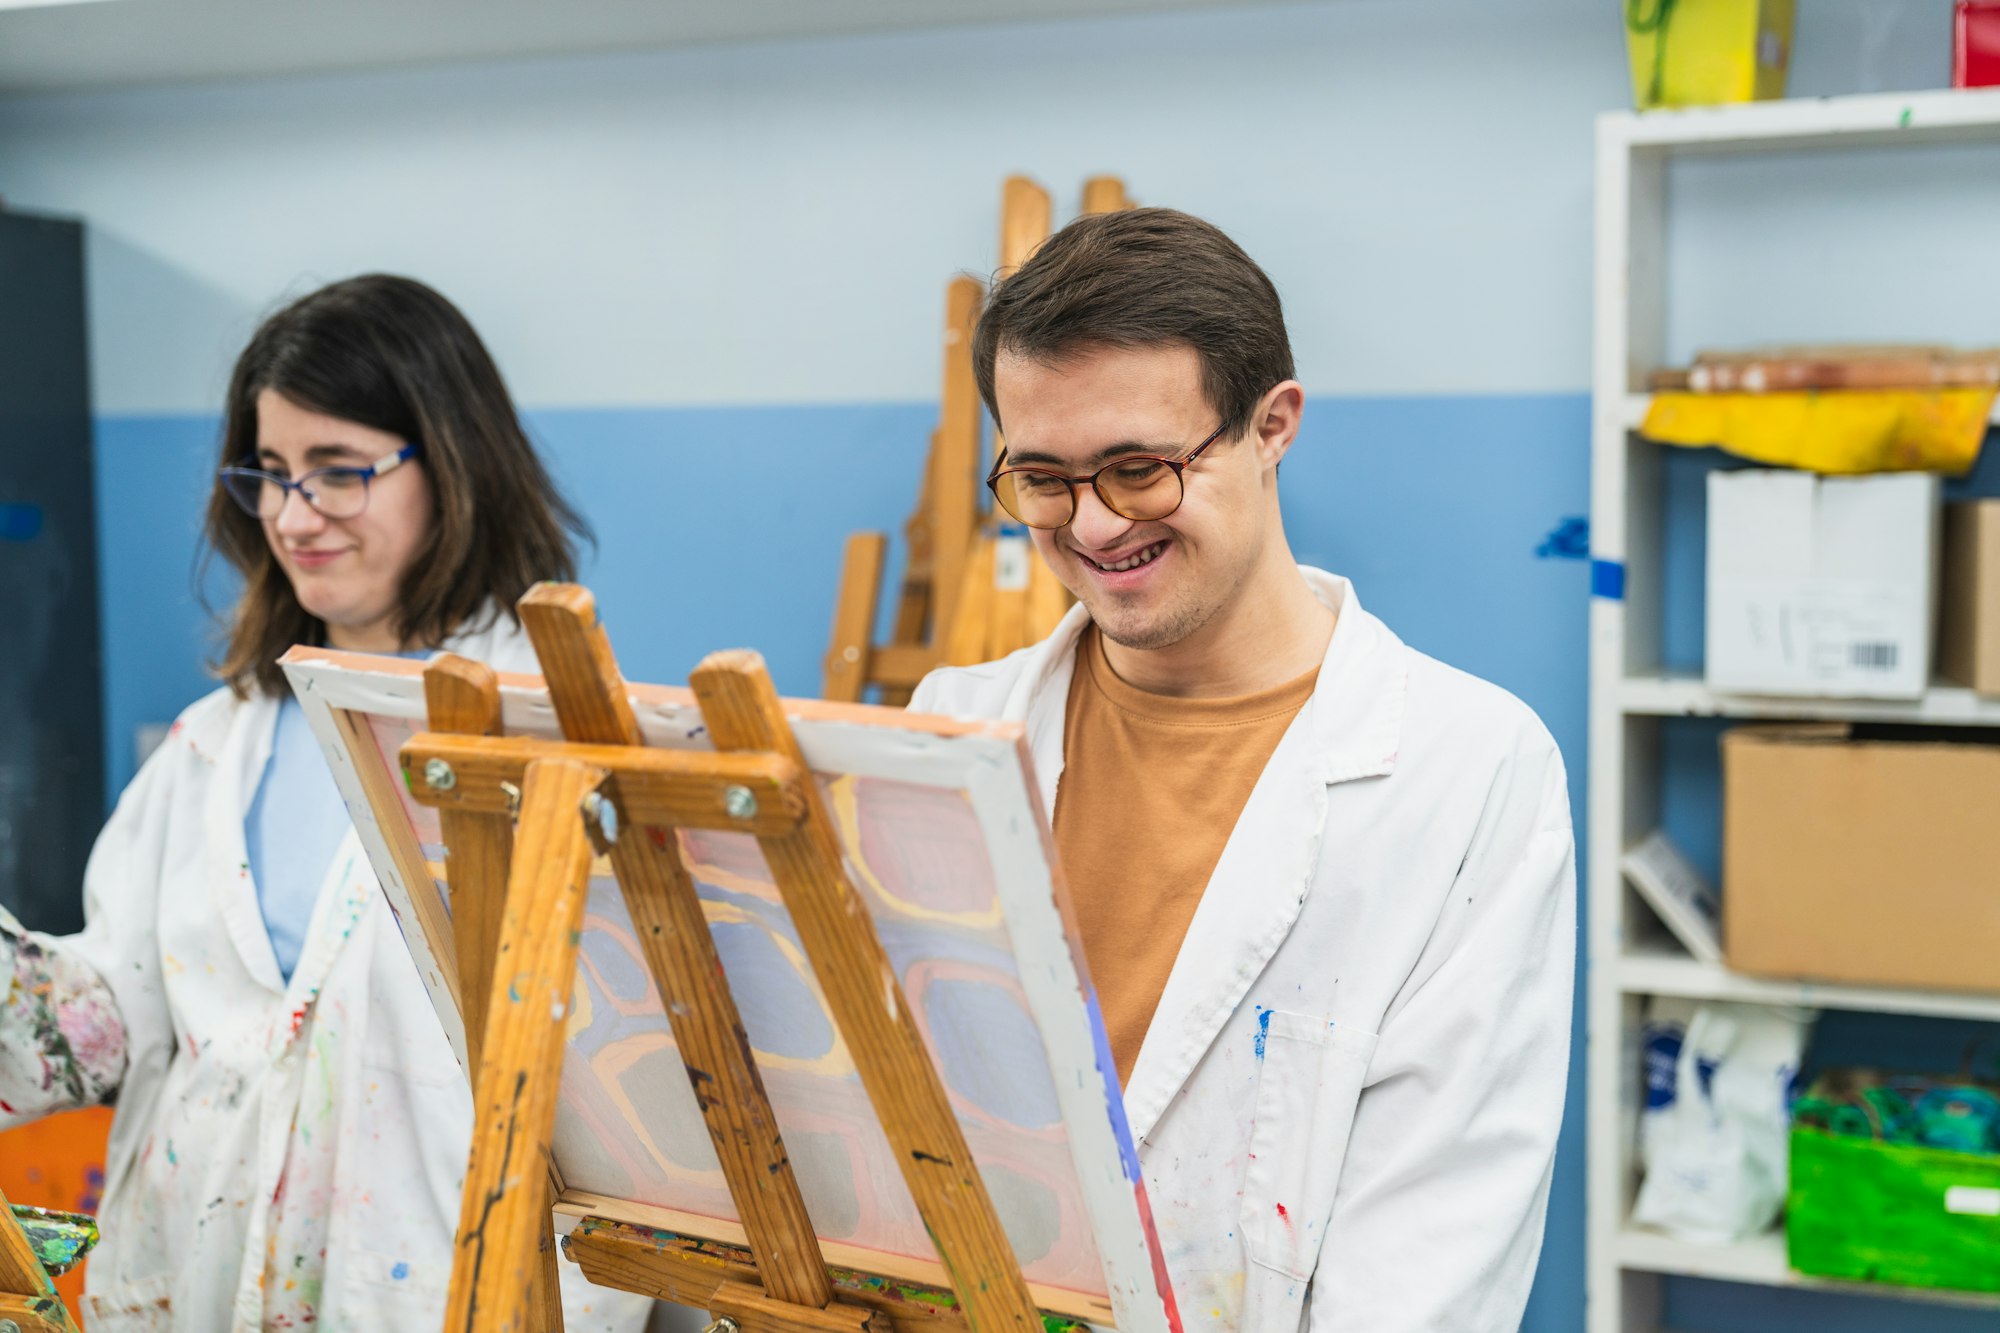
492 757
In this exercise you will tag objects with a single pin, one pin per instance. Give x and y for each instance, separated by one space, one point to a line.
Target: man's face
1149 584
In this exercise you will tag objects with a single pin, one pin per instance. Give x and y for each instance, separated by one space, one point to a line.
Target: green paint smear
1903 121
60 1240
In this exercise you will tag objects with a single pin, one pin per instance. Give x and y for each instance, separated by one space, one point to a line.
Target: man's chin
1130 627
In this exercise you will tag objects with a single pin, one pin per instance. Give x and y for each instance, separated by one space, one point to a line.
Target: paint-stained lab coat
1347 1102
282 1155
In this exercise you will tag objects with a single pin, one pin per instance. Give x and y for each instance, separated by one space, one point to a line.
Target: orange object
58 1163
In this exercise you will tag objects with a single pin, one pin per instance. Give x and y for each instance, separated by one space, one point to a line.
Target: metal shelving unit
1631 694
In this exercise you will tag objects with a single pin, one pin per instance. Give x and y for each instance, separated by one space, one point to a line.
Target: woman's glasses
336 492
1138 486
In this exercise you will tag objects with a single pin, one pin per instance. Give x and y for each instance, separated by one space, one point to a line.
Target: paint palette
946 845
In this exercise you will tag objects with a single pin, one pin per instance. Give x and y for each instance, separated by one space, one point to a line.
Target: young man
1325 884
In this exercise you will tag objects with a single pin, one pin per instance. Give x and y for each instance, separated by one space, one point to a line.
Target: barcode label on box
1972 1199
1873 656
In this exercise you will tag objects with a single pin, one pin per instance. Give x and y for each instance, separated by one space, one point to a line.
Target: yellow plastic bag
1840 433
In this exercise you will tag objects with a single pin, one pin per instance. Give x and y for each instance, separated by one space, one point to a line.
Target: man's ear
1274 424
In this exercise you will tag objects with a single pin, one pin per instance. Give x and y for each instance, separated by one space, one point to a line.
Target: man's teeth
1146 556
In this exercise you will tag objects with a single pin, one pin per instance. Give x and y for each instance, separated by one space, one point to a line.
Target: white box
1822 585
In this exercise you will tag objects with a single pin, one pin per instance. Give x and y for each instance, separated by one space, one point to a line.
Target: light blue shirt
293 829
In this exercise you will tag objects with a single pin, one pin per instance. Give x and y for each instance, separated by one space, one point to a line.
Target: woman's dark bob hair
390 353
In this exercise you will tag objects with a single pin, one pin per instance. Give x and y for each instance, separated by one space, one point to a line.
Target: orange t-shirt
1151 788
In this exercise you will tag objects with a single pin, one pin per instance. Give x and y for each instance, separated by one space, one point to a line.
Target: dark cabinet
51 678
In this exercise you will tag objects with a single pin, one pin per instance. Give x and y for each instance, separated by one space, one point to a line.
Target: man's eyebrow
1032 458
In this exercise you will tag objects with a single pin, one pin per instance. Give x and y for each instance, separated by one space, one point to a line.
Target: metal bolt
740 802
603 813
439 777
513 795
724 1324
9 1326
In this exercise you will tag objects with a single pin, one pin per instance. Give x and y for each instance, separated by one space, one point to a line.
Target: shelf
1675 695
1761 1260
1667 971
1937 116
1632 410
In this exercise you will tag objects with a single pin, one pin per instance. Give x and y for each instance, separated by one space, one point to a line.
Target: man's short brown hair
1145 277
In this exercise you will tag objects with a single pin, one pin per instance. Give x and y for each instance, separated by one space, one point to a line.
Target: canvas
946 844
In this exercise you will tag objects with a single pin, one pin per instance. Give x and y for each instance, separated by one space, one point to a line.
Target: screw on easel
513 795
741 803
9 1326
439 777
722 1325
604 815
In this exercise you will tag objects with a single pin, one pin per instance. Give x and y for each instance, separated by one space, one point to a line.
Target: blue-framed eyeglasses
336 492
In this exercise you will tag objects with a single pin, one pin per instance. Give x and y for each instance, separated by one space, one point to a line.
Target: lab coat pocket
1308 1084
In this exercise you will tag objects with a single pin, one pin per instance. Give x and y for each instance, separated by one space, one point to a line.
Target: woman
292 1127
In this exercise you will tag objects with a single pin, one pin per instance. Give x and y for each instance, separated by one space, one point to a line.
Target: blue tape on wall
20 522
1607 580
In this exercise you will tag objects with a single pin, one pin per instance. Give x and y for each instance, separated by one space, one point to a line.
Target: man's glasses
336 492
1138 486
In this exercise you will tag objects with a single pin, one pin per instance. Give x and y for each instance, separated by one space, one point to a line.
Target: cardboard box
1969 596
1822 586
1850 859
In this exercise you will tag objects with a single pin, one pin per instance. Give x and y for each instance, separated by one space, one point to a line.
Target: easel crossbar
743 793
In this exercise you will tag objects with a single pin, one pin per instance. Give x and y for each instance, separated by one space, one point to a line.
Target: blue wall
722 527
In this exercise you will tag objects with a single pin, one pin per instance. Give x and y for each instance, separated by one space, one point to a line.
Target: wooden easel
973 588
517 896
27 1296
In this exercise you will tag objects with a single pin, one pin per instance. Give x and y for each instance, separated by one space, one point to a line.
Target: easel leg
505 1213
743 713
590 699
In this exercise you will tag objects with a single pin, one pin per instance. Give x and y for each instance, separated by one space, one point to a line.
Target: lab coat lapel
1348 730
1039 701
239 766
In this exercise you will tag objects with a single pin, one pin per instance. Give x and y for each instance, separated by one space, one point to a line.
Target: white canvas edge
321 687
1107 1169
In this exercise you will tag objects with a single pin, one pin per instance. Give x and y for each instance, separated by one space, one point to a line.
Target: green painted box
1868 1211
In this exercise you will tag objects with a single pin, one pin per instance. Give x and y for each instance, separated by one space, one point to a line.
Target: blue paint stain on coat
1263 1030
400 1271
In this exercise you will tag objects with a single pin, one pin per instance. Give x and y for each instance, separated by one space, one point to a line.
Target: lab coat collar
1355 715
1350 729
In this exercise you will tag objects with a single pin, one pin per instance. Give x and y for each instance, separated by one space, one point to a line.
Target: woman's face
346 571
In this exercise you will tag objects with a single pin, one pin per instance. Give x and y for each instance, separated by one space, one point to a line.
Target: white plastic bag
1715 1133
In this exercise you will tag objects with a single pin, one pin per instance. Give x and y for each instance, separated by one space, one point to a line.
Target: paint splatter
400 1271
1263 1031
1568 540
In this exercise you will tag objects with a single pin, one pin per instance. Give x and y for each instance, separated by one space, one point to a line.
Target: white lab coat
1348 1099
282 1155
